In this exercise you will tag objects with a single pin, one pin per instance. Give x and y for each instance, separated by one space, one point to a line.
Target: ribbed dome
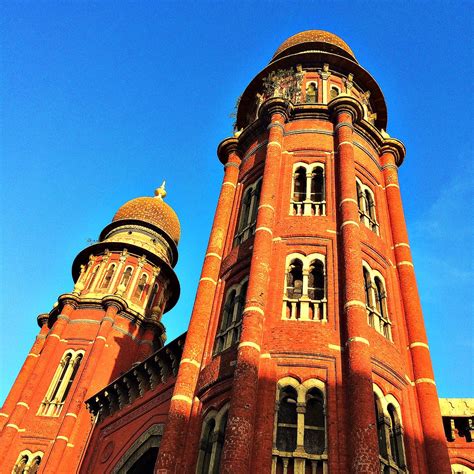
314 36
153 210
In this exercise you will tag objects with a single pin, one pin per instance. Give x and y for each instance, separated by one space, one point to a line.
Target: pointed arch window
108 276
231 318
376 301
127 275
366 204
141 287
305 288
248 212
287 420
212 441
390 435
312 93
61 384
27 462
308 194
299 437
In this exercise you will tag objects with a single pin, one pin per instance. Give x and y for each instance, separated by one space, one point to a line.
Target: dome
152 210
314 36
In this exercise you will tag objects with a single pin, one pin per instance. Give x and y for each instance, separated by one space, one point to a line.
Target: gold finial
160 193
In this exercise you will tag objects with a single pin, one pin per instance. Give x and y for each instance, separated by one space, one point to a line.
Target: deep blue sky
102 101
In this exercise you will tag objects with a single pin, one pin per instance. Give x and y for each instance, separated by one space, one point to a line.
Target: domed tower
111 320
306 351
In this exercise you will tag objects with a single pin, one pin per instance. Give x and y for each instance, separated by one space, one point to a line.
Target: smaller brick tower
111 320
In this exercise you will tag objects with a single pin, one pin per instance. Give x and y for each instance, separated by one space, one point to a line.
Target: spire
160 192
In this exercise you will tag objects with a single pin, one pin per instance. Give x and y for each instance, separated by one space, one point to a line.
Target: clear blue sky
102 101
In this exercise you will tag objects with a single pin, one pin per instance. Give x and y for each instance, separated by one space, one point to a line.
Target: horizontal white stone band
228 183
401 245
208 279
23 404
54 335
70 445
253 345
190 361
392 185
71 414
419 344
101 337
330 231
274 143
212 254
348 200
15 427
32 355
424 380
267 205
4 414
349 223
266 229
182 398
266 355
354 303
63 438
363 340
345 143
404 262
334 347
254 308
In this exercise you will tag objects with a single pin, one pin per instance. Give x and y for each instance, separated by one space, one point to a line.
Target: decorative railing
299 463
308 208
304 309
141 378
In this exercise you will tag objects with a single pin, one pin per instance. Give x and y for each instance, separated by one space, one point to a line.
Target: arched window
314 423
390 434
61 384
27 462
287 420
305 288
299 187
376 302
20 466
366 204
108 276
294 279
212 441
299 437
141 287
93 276
231 318
248 212
334 92
34 466
127 274
308 193
312 93
153 293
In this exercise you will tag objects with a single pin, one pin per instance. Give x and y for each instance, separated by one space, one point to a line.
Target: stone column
362 431
190 365
393 152
56 457
21 408
25 372
238 443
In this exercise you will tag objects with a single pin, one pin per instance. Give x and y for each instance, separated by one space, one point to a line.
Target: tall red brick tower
306 350
123 285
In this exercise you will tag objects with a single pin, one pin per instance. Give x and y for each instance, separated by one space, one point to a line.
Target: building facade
306 350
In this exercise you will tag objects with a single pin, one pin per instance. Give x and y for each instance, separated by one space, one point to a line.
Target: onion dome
154 211
314 38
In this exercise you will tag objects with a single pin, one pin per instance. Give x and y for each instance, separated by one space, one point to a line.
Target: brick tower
111 320
306 351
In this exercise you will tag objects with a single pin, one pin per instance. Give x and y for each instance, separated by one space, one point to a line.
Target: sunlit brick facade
306 350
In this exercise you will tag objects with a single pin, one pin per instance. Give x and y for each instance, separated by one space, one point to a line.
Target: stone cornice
138 380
